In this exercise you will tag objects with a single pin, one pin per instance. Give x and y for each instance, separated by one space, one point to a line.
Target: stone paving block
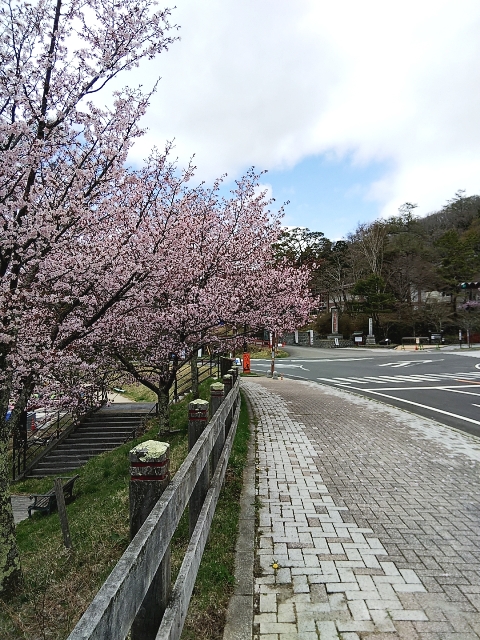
337 602
408 614
283 576
268 602
299 636
350 636
410 576
300 584
261 618
359 610
285 612
362 595
305 625
409 588
327 630
333 587
277 627
355 625
370 561
383 604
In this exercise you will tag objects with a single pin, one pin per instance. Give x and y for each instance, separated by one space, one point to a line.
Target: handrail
114 608
139 430
27 453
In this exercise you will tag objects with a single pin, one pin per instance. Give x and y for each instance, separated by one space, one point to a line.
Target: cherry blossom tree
66 231
98 261
225 272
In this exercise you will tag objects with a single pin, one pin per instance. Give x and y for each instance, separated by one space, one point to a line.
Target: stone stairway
106 429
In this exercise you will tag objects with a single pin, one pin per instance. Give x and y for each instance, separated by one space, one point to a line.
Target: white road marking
331 359
454 390
418 388
422 406
343 380
400 379
408 363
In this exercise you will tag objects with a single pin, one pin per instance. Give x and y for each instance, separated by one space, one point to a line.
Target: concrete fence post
149 477
216 399
228 384
197 421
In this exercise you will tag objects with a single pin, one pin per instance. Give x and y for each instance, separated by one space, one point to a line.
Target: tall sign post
334 335
370 338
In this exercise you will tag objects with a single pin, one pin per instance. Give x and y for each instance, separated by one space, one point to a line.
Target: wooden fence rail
114 608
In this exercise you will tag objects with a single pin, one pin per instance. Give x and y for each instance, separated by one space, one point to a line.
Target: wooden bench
46 502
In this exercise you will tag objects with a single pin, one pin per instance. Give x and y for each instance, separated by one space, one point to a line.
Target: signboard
358 339
246 363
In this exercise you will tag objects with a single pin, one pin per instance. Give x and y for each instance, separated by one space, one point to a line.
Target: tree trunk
194 373
10 571
163 396
11 579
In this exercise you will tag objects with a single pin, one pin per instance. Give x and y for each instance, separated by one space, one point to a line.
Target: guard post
149 477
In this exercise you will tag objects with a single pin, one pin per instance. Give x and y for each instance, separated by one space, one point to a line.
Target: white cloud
270 82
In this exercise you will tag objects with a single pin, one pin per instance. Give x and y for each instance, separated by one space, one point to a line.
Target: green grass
267 354
59 584
215 580
138 393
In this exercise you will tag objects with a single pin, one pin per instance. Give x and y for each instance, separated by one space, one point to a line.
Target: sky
352 107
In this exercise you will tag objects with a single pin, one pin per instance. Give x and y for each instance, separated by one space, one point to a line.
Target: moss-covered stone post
216 399
197 421
149 477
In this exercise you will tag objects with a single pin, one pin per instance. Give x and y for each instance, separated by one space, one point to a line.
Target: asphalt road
439 384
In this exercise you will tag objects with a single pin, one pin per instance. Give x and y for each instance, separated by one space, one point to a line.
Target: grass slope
59 584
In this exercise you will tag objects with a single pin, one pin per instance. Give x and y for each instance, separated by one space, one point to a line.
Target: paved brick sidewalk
371 514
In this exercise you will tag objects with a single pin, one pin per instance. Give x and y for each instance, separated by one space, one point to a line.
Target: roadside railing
206 368
116 605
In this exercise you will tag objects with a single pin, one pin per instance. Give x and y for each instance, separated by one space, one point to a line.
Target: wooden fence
114 608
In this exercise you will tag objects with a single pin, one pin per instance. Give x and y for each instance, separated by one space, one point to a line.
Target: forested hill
405 271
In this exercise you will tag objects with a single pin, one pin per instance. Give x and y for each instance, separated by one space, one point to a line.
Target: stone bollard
216 399
197 421
233 372
149 477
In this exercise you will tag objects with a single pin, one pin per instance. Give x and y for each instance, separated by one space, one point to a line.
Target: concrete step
90 448
106 417
118 421
100 435
101 432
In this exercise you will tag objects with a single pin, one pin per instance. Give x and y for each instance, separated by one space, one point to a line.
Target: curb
239 618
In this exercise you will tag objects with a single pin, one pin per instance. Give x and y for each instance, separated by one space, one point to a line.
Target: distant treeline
404 271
